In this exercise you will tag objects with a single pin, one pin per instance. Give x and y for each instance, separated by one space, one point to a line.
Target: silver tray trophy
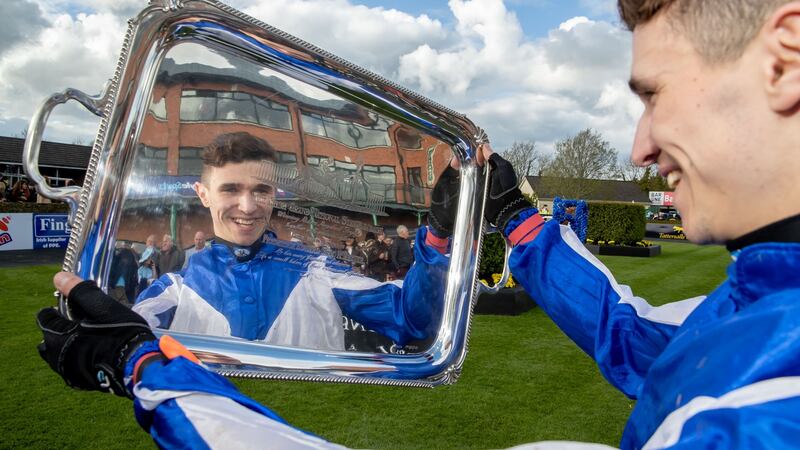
352 156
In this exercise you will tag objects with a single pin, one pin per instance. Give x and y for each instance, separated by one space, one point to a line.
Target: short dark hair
236 148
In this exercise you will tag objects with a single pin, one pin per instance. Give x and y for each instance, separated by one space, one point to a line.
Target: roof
600 190
52 154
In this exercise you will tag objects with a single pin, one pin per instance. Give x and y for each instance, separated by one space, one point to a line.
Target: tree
578 161
628 171
525 158
652 181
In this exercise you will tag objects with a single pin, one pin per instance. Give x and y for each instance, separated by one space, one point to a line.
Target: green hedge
494 248
619 222
20 207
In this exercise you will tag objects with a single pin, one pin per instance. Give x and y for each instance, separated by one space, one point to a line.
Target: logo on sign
657 197
5 237
51 226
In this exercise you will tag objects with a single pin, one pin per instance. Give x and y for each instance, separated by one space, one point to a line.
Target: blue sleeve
761 415
412 312
621 332
184 405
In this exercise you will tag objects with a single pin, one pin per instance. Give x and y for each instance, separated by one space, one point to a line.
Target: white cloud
78 52
542 90
481 63
374 38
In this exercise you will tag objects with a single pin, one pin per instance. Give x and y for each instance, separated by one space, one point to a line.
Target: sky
524 70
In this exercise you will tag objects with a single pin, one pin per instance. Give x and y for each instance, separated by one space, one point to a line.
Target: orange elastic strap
527 230
138 364
436 242
171 348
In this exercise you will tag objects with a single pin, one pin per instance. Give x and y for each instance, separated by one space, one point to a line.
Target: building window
381 180
348 133
415 185
159 109
287 158
222 106
151 161
191 162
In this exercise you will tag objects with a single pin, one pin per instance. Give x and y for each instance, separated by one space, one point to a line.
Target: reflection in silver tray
354 159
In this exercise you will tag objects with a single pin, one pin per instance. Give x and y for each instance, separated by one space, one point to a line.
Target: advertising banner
15 231
661 198
50 231
26 231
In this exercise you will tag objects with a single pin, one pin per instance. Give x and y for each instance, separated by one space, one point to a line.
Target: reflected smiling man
249 285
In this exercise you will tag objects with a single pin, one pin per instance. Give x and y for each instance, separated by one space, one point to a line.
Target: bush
619 222
20 207
492 257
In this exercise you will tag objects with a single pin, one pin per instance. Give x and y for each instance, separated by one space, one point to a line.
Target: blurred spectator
356 256
147 263
199 244
21 192
122 279
400 253
171 257
377 254
3 186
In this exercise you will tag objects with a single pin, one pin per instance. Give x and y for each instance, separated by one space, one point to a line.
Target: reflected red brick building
193 103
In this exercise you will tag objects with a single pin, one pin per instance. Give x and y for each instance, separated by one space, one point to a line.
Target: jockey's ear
781 64
202 192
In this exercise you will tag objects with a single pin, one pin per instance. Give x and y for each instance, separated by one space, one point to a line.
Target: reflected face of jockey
240 200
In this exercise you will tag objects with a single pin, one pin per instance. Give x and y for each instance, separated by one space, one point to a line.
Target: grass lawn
523 380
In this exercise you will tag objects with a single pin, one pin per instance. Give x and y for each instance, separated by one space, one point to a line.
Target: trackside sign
26 231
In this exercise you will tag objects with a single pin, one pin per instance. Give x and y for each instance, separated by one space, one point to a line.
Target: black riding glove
444 201
505 199
91 353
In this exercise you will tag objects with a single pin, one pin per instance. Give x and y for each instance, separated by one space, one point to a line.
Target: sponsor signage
430 164
15 231
162 186
661 198
26 231
50 231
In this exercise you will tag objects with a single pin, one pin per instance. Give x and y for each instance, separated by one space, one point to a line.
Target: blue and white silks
721 371
287 295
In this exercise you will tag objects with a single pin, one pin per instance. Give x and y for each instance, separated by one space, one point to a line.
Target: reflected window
151 161
198 106
287 158
191 162
273 115
415 184
409 138
380 179
348 133
159 109
236 106
225 106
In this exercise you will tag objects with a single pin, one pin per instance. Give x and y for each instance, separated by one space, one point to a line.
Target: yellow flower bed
496 278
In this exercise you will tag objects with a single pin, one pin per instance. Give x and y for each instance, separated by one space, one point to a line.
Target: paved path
22 258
